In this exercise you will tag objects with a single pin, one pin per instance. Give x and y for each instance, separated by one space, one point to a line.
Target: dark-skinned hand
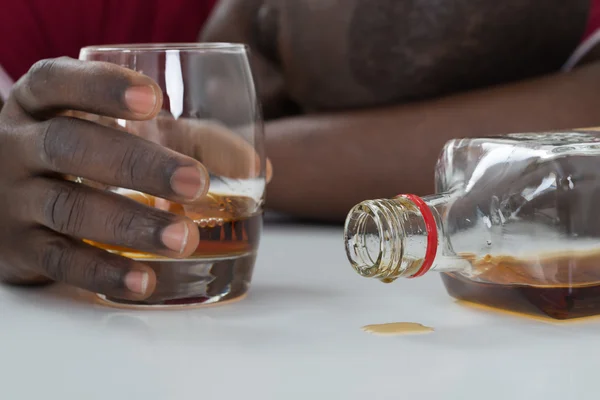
44 217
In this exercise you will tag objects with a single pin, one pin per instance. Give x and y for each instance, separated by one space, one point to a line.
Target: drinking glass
210 112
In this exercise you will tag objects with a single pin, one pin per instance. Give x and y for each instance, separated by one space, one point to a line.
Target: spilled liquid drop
397 329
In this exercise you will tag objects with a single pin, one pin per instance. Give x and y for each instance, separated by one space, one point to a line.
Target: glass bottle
515 224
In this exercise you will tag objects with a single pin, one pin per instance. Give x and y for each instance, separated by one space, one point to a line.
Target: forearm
324 164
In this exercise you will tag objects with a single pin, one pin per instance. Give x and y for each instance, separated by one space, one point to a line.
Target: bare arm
326 163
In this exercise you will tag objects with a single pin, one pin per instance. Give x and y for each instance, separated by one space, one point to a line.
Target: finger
97 87
72 146
225 152
68 260
98 119
86 213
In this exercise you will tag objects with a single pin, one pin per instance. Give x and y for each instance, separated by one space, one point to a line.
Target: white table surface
296 336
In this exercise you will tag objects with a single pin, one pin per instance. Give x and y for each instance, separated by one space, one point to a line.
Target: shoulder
33 30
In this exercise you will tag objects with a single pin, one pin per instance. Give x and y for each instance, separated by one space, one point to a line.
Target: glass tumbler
210 112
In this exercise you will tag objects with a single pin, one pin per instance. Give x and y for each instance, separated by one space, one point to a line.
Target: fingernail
189 182
175 236
140 99
137 281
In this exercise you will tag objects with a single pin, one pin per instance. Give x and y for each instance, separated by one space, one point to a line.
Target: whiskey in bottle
515 224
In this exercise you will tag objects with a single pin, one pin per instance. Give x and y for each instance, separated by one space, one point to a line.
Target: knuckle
60 141
58 262
57 258
134 166
42 68
64 209
97 274
122 224
39 75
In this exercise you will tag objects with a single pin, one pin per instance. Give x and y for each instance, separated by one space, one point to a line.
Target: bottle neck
393 238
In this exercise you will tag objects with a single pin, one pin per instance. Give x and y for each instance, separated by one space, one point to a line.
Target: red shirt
591 38
31 30
594 19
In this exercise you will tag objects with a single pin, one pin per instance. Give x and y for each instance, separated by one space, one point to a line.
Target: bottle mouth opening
373 246
378 233
364 250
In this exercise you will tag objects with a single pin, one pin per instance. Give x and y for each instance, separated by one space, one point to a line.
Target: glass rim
223 47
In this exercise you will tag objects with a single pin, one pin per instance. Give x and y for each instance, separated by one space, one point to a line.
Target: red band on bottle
432 233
